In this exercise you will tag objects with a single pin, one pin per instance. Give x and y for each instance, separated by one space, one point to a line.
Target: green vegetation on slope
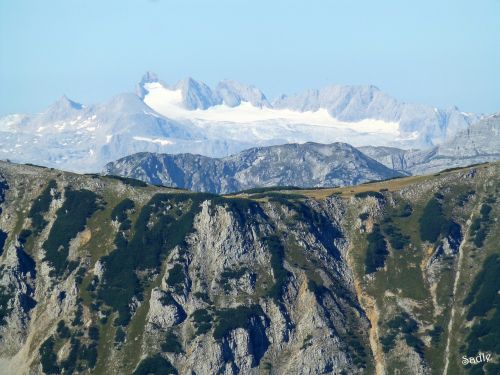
78 206
480 225
171 344
120 211
40 207
376 252
239 317
280 273
484 308
156 365
147 248
3 238
407 327
202 321
6 294
433 221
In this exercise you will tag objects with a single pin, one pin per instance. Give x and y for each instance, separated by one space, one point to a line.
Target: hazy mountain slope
115 277
478 144
354 103
79 138
302 165
192 117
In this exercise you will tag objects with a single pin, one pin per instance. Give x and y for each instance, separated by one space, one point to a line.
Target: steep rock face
197 95
354 103
234 93
479 143
306 165
112 276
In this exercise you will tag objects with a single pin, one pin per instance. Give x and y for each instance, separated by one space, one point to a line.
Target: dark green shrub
171 344
176 277
417 344
69 364
3 189
203 296
474 227
406 211
88 353
128 181
280 273
156 365
62 330
432 221
377 252
363 216
202 321
357 350
479 227
3 238
463 198
239 317
94 333
483 295
40 206
6 294
408 327
77 321
366 194
480 237
397 240
119 213
485 210
436 334
267 189
233 273
120 335
23 236
80 275
48 357
388 342
167 299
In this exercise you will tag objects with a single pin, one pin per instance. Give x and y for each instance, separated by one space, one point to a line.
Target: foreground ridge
112 275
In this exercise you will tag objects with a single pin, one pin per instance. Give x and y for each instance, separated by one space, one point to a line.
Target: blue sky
435 52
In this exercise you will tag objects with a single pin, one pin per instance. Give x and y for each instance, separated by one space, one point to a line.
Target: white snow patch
168 103
160 141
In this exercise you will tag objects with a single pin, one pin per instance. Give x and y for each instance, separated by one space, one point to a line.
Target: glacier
191 117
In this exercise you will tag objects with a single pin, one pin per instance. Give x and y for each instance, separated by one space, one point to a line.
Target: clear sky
438 52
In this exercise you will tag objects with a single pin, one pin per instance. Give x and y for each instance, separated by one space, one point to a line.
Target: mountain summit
190 116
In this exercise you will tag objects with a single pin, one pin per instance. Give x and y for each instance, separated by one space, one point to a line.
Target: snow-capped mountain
192 117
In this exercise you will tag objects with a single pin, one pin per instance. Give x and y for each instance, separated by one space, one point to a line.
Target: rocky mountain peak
233 93
196 94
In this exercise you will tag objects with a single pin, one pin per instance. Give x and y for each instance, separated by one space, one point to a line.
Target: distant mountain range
302 165
192 117
309 164
477 144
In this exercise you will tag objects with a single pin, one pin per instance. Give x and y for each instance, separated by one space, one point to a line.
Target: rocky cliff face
112 276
